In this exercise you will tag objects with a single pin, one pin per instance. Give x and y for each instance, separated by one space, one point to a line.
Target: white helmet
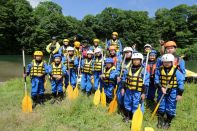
97 50
148 45
127 49
167 58
137 56
70 48
90 52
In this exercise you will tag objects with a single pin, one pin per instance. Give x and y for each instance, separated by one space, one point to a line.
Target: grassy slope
81 114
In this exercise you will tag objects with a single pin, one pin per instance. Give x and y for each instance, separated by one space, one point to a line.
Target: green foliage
21 25
81 114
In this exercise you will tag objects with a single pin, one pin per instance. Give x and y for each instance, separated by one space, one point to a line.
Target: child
133 87
172 94
109 79
87 76
37 70
63 48
57 70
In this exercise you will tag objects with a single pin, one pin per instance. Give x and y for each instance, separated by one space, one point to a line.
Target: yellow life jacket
98 64
56 70
87 68
107 74
37 69
164 78
128 64
64 50
71 62
77 52
115 44
134 81
53 46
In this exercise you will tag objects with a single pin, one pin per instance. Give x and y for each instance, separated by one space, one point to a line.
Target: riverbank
81 114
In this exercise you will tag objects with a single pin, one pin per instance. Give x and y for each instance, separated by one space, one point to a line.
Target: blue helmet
153 52
109 60
57 55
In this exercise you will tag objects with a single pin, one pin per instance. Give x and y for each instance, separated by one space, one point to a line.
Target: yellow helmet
115 33
96 40
38 53
66 40
77 44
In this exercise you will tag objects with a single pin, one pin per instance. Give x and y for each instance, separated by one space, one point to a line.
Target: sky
80 8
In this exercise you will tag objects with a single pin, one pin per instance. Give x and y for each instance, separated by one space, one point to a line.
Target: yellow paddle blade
148 129
137 119
27 104
75 92
103 98
69 91
97 97
113 105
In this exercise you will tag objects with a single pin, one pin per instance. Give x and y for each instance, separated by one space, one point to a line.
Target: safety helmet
70 48
153 52
97 50
115 33
148 45
167 58
77 44
57 55
127 49
66 40
137 56
109 60
169 44
38 53
53 38
112 48
96 40
90 52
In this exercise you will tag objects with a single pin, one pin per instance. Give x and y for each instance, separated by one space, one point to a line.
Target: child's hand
24 75
122 92
143 97
178 98
118 79
163 90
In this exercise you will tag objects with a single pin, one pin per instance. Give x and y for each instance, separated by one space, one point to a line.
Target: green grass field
81 114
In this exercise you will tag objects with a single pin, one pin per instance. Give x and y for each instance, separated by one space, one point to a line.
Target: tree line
32 28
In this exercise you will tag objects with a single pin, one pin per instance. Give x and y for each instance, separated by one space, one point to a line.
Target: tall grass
81 114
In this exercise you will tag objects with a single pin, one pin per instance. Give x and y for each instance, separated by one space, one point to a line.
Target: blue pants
97 79
151 92
168 103
73 78
37 86
120 98
109 90
86 82
57 86
132 99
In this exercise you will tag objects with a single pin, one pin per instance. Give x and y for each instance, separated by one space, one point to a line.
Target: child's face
152 57
171 50
136 62
108 65
112 52
65 43
146 49
128 54
89 56
114 37
38 58
57 60
167 64
71 52
96 43
98 54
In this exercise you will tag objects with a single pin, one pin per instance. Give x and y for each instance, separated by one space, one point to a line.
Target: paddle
136 122
45 82
26 102
103 95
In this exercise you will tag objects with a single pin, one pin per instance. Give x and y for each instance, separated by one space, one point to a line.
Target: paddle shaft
147 56
24 70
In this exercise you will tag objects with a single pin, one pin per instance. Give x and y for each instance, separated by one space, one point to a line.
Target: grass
81 114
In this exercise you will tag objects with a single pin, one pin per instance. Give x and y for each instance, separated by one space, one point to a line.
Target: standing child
168 74
87 76
57 70
109 79
133 88
37 70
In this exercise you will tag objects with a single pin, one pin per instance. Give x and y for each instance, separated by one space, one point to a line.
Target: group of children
136 76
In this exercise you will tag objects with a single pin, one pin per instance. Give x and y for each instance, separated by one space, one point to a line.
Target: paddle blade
75 92
103 98
69 91
113 105
27 104
148 129
137 119
97 97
